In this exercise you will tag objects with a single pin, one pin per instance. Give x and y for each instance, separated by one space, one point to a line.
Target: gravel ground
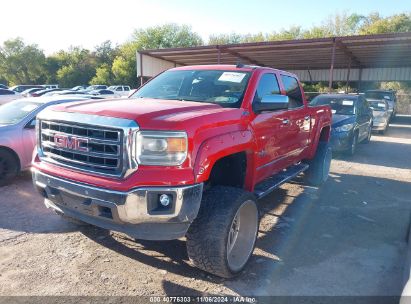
347 238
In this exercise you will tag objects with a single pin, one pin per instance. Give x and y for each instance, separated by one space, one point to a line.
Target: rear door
299 119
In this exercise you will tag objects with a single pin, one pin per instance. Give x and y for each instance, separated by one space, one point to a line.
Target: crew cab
188 154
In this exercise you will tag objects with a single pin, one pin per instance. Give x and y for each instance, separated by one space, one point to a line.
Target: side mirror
271 103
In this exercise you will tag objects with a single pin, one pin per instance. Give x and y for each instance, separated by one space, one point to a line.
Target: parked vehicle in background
3 86
17 134
352 120
380 113
104 93
8 95
188 154
51 86
388 95
78 88
66 92
96 87
120 89
28 92
22 87
43 92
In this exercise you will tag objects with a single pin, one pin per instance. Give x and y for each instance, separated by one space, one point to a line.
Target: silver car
381 114
17 134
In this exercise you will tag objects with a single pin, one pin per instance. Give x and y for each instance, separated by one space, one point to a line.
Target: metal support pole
309 75
348 75
141 70
330 84
359 80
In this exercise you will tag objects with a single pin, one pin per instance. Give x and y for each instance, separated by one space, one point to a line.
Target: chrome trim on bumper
128 210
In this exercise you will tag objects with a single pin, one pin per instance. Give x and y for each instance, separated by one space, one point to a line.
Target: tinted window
6 92
293 91
126 89
268 85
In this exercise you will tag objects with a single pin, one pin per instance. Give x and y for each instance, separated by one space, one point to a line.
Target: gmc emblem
71 143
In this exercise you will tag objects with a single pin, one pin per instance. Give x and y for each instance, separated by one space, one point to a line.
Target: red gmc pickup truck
189 154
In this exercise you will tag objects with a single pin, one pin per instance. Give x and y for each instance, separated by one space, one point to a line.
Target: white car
105 93
17 134
8 95
120 89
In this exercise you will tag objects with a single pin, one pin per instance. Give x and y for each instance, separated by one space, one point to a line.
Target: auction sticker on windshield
347 102
232 77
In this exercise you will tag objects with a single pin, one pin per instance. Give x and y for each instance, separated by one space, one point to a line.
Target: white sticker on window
29 108
347 102
381 105
232 77
333 111
387 97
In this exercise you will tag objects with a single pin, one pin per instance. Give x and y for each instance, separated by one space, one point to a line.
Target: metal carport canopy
380 51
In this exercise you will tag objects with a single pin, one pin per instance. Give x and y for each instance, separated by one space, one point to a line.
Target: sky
57 24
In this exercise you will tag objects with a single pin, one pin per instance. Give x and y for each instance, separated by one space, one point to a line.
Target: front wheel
221 239
319 166
353 145
368 138
9 167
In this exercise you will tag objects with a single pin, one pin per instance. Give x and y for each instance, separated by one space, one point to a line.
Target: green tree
77 67
21 63
164 36
375 24
105 53
103 75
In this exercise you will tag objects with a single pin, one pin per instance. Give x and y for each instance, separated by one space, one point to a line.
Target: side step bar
266 186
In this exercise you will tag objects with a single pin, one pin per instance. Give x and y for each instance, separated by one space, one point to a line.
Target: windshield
342 105
14 112
377 105
214 86
378 95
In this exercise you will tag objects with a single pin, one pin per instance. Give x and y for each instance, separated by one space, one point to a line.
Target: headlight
344 128
161 148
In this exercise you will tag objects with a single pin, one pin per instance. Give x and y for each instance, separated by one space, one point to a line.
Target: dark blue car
352 120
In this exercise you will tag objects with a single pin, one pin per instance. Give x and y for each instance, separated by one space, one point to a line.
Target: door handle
286 121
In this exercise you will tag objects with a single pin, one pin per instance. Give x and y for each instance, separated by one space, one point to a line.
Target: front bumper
341 141
136 213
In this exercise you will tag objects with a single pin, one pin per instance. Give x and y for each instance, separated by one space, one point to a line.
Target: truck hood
154 113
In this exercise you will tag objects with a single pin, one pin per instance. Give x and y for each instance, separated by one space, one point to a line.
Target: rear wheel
8 167
222 237
319 166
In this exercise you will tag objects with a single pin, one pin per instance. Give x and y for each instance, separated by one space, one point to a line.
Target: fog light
165 200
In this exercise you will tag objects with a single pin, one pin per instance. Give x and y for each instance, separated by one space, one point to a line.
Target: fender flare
320 126
215 148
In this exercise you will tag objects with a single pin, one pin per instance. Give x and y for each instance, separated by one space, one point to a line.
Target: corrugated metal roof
367 51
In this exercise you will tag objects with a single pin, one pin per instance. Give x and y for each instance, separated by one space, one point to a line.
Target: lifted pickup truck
189 154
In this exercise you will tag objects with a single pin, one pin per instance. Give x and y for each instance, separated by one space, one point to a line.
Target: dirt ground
347 238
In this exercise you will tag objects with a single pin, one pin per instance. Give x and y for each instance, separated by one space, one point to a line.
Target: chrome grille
100 149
